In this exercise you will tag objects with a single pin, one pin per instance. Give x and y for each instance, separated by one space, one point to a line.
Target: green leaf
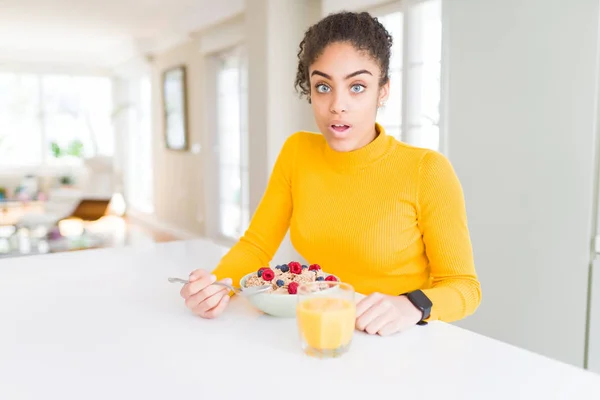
56 150
75 148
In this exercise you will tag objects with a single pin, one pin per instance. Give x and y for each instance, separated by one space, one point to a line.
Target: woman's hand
204 298
384 315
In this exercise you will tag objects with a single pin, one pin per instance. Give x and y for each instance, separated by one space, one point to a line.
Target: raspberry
314 267
295 268
331 278
268 274
293 288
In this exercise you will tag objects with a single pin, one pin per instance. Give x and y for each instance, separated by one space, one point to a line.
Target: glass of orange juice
326 314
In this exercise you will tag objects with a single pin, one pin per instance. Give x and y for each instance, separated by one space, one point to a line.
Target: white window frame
133 136
409 42
226 37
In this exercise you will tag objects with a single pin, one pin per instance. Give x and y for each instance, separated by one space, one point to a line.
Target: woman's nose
339 104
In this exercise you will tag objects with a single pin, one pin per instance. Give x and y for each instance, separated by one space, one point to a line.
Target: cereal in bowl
286 278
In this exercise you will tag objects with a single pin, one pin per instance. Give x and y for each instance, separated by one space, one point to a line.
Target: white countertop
106 324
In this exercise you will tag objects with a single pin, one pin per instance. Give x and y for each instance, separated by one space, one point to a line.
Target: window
412 112
390 116
54 119
140 176
232 143
21 142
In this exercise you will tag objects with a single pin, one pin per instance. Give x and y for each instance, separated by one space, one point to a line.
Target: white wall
521 81
594 334
331 6
179 175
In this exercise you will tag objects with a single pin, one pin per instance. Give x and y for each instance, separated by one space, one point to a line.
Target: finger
391 328
211 290
216 311
228 281
197 274
379 322
367 303
196 299
194 276
209 302
197 286
370 315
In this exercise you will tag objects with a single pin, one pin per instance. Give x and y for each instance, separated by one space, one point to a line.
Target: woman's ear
384 92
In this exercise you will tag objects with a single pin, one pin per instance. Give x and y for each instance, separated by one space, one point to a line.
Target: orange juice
326 323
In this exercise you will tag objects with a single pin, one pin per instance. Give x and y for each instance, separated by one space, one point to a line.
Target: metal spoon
243 292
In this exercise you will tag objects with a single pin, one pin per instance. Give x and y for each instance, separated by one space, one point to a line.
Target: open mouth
340 128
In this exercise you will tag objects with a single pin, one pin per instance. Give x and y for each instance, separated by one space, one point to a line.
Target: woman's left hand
384 315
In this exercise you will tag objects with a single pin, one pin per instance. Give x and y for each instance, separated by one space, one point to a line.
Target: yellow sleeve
268 225
455 290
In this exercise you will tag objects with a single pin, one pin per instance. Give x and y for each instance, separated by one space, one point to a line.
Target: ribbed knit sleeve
269 223
455 291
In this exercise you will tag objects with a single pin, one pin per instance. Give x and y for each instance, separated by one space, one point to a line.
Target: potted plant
66 181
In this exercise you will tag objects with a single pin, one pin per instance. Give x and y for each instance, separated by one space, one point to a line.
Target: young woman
383 216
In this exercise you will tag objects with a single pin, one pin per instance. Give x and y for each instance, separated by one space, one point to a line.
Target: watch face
420 300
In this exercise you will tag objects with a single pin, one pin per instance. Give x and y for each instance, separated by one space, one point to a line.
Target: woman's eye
357 88
321 88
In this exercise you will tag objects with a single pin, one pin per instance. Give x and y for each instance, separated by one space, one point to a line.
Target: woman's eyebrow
353 74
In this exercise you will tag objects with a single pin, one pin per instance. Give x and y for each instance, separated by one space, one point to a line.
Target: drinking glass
326 314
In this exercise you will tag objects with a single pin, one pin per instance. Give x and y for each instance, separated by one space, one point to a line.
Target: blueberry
285 268
305 267
280 283
320 278
278 267
259 273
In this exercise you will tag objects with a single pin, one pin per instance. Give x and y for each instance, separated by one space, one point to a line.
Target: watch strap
421 302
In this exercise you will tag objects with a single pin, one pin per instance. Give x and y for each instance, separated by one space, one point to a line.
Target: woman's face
345 95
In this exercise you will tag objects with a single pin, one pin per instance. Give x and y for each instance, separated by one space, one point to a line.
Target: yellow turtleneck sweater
386 218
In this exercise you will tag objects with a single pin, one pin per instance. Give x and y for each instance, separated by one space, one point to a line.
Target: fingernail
213 278
228 281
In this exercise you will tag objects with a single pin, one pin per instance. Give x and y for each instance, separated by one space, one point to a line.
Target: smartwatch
422 302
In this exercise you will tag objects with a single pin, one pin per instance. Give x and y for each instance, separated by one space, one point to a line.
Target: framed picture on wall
174 97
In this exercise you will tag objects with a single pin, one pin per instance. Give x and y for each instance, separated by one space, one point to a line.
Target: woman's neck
370 152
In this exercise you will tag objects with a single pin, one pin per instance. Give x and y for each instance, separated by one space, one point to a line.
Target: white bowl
275 304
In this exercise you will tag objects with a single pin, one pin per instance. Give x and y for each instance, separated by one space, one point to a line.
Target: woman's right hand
202 297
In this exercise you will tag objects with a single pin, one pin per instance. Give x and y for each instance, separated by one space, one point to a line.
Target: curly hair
363 31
